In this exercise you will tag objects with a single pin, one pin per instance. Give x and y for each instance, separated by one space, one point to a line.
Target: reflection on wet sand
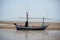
13 34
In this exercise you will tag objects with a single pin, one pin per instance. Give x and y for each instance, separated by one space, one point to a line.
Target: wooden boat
26 27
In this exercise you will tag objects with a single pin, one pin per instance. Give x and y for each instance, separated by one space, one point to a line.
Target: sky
11 10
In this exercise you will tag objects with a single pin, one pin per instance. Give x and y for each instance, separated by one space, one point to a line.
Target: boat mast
27 16
26 23
43 22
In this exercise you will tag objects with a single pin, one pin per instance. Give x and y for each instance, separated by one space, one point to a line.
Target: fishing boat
27 27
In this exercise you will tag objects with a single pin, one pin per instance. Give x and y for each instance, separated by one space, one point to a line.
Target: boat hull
27 28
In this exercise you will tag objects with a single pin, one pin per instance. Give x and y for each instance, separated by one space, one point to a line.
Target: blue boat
26 27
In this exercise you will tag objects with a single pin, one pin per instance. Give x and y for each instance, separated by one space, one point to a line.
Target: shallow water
13 34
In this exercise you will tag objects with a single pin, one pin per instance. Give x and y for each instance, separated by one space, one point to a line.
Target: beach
13 34
52 25
8 32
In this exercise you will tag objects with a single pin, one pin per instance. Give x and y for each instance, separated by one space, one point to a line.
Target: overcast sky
12 9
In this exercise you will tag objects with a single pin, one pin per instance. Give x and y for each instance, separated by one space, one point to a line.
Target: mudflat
13 34
52 25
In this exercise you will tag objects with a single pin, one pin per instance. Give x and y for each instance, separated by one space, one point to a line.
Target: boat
27 27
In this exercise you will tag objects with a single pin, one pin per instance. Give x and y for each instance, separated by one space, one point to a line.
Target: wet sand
13 34
52 25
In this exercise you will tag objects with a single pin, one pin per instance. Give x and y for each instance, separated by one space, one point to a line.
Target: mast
26 23
27 16
43 22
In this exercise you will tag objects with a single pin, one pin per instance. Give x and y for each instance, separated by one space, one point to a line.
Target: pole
26 23
43 22
27 15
